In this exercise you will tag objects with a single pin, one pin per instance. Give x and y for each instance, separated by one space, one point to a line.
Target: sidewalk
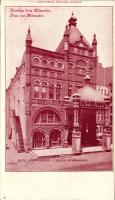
13 156
62 151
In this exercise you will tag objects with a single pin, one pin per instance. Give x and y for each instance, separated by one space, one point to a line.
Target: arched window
81 63
44 90
59 65
36 89
51 91
47 116
90 69
44 62
36 60
58 91
55 138
52 63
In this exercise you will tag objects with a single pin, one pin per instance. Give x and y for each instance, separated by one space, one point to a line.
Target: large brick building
35 103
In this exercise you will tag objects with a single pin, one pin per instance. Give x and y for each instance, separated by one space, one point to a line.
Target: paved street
86 162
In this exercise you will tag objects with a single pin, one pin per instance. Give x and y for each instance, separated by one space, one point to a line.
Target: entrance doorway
88 127
38 139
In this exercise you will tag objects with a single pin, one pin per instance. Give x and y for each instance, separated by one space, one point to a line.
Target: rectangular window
44 73
104 92
43 92
83 52
78 51
36 71
52 74
101 91
90 53
51 94
59 75
44 117
36 91
57 93
98 117
69 92
43 95
50 117
57 96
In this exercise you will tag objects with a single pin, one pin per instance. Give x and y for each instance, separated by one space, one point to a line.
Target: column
76 134
47 141
66 129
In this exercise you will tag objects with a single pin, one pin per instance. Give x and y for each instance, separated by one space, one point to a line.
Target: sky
47 31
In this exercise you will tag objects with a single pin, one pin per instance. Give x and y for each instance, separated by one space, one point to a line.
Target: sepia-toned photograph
58 64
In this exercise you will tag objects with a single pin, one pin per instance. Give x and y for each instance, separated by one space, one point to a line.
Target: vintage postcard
58 64
56 101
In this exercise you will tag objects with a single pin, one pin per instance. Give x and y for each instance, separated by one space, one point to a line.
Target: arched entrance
55 138
38 139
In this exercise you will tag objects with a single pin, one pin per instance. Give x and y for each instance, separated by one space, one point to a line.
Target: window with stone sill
36 71
70 90
58 91
52 74
44 90
59 74
51 91
44 73
36 89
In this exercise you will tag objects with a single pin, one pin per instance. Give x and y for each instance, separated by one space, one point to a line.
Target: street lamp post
76 133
